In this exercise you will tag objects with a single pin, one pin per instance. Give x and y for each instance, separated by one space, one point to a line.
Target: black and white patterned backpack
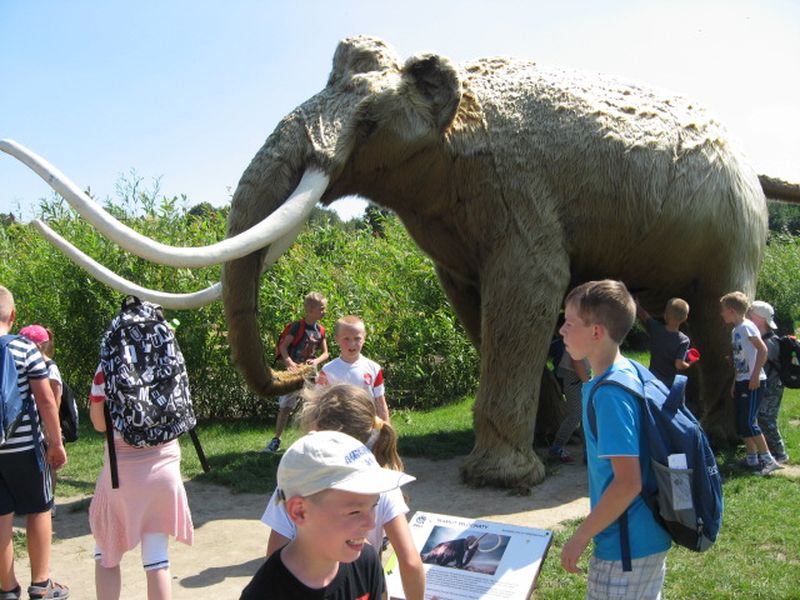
147 388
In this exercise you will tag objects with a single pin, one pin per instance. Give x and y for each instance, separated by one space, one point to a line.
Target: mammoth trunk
240 282
261 188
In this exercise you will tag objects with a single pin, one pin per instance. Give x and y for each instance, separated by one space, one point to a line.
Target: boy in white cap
330 483
763 315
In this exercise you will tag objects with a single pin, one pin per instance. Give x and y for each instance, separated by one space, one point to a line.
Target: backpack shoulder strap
6 339
626 381
112 450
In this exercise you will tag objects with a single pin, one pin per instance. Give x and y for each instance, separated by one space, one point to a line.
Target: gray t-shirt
665 348
773 365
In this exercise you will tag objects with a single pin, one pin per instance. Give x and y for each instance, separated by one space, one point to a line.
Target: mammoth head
372 115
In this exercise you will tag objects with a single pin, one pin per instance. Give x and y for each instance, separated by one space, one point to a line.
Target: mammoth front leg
465 300
713 339
520 303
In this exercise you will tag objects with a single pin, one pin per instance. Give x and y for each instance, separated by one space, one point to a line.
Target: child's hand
571 554
754 383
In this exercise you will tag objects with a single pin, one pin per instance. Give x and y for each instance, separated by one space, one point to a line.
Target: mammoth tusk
293 211
278 247
107 276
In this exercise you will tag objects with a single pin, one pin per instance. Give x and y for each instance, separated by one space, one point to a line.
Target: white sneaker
769 468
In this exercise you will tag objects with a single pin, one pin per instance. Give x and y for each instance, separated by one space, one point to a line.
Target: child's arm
761 359
681 364
96 416
284 352
55 385
46 405
411 572
641 313
322 357
381 408
622 490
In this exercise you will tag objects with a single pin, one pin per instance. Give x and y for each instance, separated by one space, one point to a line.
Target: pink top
150 498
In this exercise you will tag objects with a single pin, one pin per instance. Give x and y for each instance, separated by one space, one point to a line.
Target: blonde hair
6 304
677 309
314 298
606 302
737 301
351 410
349 321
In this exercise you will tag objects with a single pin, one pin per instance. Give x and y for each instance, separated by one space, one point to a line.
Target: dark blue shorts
24 489
747 404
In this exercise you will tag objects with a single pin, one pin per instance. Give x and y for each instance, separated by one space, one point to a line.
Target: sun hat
323 460
765 311
35 333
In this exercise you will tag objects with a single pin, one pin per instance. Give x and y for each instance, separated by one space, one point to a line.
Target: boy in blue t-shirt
599 315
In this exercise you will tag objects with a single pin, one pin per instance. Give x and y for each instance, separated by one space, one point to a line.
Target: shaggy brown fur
519 181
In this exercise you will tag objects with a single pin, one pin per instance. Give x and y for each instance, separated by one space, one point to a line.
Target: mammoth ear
436 81
361 54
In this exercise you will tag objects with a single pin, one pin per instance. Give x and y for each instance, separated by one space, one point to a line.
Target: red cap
35 333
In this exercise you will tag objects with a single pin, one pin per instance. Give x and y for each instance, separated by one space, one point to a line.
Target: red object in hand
692 355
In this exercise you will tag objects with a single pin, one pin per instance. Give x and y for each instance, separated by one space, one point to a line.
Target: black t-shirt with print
361 579
306 348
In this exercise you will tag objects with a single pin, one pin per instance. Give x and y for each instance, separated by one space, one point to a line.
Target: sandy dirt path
230 540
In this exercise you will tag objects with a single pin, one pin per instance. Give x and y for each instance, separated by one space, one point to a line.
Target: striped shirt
30 365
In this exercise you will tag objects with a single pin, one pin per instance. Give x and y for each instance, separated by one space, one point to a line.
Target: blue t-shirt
618 416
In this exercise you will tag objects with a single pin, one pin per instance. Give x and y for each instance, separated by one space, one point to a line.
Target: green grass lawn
757 554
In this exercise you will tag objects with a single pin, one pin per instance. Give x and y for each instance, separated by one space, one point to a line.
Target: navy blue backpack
12 405
687 502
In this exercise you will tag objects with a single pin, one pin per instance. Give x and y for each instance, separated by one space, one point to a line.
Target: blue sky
188 90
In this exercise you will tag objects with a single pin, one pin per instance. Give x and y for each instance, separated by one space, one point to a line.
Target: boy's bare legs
8 581
159 585
107 582
39 531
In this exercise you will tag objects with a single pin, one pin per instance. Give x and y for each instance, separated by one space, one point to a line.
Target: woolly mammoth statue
518 181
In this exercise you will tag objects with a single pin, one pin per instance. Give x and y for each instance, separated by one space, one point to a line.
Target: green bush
779 279
384 279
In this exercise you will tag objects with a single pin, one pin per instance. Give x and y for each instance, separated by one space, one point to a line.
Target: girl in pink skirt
148 506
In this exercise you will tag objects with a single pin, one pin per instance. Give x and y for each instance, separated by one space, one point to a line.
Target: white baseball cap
332 460
765 311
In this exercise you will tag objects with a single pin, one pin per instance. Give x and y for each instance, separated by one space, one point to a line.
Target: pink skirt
150 499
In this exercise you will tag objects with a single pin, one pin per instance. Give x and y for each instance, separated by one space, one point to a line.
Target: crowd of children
338 500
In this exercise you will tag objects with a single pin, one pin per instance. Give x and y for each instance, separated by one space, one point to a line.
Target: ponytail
385 448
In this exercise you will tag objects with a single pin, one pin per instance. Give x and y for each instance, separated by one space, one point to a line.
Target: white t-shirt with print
390 505
363 372
744 352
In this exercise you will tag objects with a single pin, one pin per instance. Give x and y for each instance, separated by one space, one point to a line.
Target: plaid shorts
607 580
